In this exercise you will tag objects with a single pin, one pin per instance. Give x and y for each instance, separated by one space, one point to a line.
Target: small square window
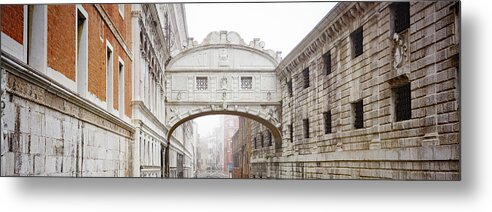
201 83
327 62
327 118
305 74
247 83
358 111
305 122
357 42
401 16
403 107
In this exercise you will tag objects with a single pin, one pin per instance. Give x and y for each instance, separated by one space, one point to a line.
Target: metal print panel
123 90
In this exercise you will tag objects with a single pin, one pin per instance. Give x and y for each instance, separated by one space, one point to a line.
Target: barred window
327 62
403 107
358 108
357 42
201 83
247 83
305 122
327 118
305 74
401 16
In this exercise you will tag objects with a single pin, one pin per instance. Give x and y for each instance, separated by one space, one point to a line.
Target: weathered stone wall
425 147
46 134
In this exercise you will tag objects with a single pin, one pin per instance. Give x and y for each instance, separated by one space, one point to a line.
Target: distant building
231 124
241 149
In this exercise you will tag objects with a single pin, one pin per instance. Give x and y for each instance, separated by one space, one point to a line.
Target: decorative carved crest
399 51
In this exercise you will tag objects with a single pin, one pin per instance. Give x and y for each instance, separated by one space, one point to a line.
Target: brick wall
61 39
13 22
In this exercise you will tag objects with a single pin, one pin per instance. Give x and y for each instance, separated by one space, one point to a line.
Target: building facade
242 148
82 89
231 124
371 93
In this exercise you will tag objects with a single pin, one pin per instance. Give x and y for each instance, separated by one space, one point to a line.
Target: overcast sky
280 25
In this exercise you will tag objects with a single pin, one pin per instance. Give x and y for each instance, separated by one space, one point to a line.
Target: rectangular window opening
327 62
82 53
201 83
403 107
358 111
121 88
109 78
401 16
291 132
305 74
327 118
357 42
305 123
289 87
247 83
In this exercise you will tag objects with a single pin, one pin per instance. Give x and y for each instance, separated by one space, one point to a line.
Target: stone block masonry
45 134
424 147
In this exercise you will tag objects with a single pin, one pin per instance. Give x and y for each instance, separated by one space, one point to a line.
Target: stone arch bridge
223 75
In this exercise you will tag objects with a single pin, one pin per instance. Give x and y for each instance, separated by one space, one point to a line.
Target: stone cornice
22 70
327 29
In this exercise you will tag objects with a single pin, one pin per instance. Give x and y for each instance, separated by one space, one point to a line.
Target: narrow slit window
109 78
403 107
121 88
358 108
261 140
82 53
327 118
327 62
305 122
269 137
357 42
289 87
291 131
401 16
305 74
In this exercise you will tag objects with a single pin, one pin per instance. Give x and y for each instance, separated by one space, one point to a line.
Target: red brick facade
61 44
61 39
13 21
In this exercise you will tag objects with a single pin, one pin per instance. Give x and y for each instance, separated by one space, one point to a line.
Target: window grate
327 62
359 114
403 107
305 122
201 83
247 83
327 117
305 74
401 16
357 41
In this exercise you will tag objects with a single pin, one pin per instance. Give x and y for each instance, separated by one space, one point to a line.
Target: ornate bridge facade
224 75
